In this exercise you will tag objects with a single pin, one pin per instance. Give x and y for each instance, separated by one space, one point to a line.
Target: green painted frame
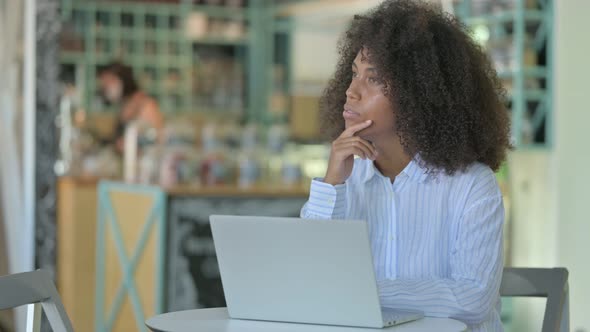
106 216
519 16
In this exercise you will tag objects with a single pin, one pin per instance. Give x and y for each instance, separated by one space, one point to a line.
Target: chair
537 282
37 290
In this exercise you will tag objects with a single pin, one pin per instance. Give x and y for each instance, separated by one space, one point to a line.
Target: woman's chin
349 123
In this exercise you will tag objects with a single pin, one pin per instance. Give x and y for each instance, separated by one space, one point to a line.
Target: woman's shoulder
150 111
147 101
477 181
477 171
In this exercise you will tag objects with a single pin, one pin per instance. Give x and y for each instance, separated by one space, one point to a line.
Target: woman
118 87
419 102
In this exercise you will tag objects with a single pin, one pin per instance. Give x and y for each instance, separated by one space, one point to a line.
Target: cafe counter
126 252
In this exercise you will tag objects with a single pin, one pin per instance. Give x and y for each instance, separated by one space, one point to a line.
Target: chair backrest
31 288
537 282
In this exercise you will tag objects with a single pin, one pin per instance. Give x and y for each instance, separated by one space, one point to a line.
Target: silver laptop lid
295 270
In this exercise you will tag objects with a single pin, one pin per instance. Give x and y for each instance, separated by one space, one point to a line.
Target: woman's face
365 100
111 87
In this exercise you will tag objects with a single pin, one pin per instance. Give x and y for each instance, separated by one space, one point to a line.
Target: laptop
300 271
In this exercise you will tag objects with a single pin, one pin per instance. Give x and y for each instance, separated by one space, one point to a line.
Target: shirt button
393 238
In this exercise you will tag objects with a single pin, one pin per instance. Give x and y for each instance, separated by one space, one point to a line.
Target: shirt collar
414 170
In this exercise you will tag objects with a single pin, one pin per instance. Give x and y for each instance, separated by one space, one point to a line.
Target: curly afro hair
447 96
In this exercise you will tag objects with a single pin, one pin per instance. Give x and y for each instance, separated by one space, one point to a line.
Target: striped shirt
436 239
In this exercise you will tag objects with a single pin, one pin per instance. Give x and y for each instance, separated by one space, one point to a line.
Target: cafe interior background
238 83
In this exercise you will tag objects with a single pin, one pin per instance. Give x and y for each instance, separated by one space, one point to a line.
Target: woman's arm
327 198
476 263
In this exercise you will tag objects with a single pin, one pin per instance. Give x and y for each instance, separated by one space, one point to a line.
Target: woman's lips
350 115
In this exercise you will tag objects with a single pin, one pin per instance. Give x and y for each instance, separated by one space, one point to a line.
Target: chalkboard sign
193 279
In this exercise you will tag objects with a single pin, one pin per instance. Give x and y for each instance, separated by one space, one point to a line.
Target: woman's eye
354 74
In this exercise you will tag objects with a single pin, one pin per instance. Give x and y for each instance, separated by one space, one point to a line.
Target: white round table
218 320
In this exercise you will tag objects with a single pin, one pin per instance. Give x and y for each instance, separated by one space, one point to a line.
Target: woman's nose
352 91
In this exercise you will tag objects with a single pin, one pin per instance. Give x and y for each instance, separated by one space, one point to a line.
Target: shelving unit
210 73
518 35
142 36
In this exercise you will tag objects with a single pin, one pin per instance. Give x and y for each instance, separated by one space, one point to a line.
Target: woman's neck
391 157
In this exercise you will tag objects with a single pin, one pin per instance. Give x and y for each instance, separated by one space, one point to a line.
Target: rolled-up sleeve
325 201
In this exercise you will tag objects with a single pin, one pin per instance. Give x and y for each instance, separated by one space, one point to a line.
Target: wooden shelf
296 190
233 190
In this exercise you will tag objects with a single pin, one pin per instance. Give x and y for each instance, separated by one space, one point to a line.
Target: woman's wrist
332 180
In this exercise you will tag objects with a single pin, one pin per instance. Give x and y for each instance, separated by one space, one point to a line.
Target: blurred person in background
118 87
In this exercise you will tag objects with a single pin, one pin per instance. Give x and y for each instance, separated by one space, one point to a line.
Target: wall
310 65
532 175
572 151
317 29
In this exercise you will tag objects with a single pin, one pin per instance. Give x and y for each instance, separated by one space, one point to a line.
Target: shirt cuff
326 200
